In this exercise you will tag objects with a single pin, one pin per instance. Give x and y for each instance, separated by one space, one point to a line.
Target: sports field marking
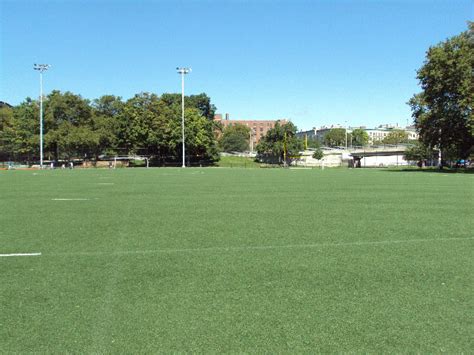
20 254
263 247
70 199
105 183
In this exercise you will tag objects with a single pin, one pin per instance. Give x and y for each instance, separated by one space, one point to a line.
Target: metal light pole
346 133
41 68
440 158
250 141
252 137
183 72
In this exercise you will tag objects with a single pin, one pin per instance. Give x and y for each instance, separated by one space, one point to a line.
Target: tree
151 125
280 142
418 152
66 114
6 121
140 124
318 154
395 137
313 143
201 102
21 134
200 140
443 111
106 115
335 137
359 137
77 128
235 138
74 141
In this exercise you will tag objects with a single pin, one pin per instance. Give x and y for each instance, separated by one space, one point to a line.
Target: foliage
418 152
201 102
200 141
142 130
235 138
279 141
443 110
335 137
77 128
68 126
6 119
107 112
313 143
359 137
318 154
396 136
21 133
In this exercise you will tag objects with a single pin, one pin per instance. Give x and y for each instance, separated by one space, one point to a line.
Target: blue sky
314 62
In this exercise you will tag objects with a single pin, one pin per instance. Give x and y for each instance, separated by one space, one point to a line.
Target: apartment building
258 128
381 131
375 134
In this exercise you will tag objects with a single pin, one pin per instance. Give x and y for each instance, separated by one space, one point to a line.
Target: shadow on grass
432 170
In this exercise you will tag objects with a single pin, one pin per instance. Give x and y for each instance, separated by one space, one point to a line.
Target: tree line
74 127
443 110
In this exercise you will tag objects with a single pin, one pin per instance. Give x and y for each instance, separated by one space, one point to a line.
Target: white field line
20 254
105 183
263 247
70 199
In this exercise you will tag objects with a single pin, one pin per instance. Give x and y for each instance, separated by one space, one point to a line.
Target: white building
382 131
318 133
375 134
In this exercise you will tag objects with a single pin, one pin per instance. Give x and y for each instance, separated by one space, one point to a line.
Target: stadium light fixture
41 68
183 72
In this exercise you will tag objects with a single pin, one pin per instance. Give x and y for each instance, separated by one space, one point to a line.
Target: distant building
258 127
375 134
4 104
380 132
318 133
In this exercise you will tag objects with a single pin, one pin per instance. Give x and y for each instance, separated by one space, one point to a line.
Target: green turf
237 162
237 260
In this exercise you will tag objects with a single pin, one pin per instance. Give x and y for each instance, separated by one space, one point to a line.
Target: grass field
236 260
237 162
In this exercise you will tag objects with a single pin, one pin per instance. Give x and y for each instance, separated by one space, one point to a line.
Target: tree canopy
75 127
395 137
443 111
318 154
359 137
335 137
235 138
418 152
280 142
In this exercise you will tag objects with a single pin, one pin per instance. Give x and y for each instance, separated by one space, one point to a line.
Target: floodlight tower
41 68
346 132
183 72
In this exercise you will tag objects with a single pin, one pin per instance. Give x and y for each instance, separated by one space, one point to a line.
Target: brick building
258 127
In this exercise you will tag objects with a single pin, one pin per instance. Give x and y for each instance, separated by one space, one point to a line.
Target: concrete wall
336 158
331 159
383 160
